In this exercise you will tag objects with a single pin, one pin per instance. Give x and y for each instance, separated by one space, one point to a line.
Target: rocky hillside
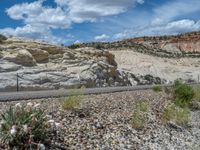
43 66
184 45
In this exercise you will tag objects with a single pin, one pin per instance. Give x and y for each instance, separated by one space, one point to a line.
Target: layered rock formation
168 57
184 45
188 42
43 66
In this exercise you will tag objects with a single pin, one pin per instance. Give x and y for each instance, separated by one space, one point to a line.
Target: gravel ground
103 122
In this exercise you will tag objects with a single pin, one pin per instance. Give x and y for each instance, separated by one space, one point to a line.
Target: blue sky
71 21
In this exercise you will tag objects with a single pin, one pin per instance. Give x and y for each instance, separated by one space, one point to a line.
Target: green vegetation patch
175 114
197 93
183 94
24 127
157 88
139 116
74 100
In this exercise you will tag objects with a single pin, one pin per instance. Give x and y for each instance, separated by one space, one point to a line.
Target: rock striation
43 66
177 46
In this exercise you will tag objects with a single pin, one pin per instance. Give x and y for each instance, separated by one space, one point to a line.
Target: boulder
53 50
39 55
22 57
1 54
172 48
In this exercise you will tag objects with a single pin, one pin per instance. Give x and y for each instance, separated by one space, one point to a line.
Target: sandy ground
170 69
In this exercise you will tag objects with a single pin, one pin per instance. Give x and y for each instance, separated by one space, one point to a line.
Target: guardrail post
17 83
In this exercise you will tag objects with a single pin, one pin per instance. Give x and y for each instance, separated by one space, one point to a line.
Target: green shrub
74 100
157 88
139 116
197 94
24 127
176 114
183 94
74 46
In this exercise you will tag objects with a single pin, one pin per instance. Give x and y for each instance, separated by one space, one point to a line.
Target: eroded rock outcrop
42 66
184 45
39 55
20 56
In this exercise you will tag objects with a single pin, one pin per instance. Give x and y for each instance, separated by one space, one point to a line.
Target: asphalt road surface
24 95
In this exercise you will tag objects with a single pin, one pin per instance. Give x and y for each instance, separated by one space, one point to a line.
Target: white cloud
36 14
77 42
39 20
24 10
172 9
174 27
102 37
90 10
51 17
32 32
165 20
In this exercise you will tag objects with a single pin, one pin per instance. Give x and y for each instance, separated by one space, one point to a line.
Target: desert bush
99 46
74 100
25 127
182 93
175 114
197 93
74 46
195 104
157 88
139 116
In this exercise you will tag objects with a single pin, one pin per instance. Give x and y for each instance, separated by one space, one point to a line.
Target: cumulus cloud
90 10
174 27
32 32
102 37
39 20
36 14
172 9
24 10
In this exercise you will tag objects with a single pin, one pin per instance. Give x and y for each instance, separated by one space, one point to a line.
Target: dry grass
74 100
139 117
157 88
197 93
175 114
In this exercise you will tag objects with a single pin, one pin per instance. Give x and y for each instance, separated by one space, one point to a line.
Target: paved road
15 96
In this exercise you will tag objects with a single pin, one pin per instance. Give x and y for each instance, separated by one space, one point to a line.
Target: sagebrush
183 94
175 114
139 116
